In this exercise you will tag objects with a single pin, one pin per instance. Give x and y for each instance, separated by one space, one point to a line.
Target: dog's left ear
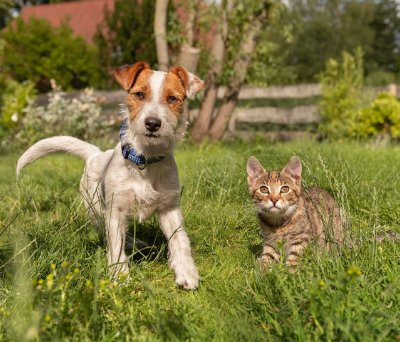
128 74
190 81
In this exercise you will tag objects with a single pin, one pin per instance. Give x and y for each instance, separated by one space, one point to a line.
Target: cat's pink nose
274 200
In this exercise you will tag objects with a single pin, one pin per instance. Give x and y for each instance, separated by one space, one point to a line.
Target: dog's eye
139 95
264 189
171 99
284 189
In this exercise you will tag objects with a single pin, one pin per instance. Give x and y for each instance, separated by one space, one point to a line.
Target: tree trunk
189 55
203 120
247 47
160 23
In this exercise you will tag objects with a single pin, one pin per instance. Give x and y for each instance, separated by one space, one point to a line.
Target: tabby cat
290 214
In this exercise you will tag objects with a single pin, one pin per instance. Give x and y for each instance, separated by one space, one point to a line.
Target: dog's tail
56 144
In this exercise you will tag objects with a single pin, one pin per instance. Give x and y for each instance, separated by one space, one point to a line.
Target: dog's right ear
128 74
254 170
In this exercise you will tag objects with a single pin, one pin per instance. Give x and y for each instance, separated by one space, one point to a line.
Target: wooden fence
296 91
296 115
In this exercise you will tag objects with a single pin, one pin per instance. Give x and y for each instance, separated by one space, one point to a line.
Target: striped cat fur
291 215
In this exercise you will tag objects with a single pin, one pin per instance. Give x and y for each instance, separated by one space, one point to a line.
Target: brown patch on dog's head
191 83
127 75
173 94
139 94
135 80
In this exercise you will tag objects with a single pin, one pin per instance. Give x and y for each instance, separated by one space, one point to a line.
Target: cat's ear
293 169
254 169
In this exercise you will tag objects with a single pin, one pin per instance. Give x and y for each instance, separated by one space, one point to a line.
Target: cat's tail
67 144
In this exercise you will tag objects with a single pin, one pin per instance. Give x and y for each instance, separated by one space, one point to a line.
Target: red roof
84 16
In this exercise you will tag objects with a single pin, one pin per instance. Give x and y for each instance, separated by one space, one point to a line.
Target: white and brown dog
139 177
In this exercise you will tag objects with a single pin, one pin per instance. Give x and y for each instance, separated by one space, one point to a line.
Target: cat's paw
265 262
292 266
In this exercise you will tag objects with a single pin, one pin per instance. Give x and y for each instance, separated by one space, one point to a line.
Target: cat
290 214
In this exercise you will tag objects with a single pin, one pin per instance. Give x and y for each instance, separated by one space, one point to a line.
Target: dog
139 177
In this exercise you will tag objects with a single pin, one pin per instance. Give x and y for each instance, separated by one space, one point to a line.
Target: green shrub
341 90
127 34
79 118
380 78
382 116
36 51
15 98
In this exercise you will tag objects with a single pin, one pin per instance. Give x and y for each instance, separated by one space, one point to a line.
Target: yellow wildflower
354 271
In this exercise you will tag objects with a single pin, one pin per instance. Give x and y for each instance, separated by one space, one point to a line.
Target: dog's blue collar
130 154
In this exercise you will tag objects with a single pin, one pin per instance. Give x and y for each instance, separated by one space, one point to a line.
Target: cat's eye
139 95
171 99
284 189
264 189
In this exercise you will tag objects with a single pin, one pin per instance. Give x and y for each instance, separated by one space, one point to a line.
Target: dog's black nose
152 124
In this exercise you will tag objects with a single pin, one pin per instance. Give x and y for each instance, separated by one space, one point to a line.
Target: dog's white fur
115 190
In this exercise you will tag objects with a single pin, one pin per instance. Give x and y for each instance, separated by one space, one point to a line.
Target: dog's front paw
187 276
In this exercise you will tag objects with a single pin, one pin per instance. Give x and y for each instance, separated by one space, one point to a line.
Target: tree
257 18
5 6
160 32
384 52
322 29
241 29
125 35
203 121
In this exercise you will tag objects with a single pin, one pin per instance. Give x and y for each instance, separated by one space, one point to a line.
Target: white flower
14 117
53 84
83 107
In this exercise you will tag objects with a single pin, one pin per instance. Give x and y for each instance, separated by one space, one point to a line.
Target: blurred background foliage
305 41
300 38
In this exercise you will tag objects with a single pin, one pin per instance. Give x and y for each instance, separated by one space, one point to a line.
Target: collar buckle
141 166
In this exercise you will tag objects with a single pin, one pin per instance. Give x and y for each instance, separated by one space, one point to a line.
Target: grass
53 274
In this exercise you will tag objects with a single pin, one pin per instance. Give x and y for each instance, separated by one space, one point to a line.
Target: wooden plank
110 96
277 92
296 115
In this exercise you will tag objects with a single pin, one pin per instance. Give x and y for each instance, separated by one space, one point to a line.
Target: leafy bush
341 89
36 51
15 98
79 118
380 78
382 116
126 35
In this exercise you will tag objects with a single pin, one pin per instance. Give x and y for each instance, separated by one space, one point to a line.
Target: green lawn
53 274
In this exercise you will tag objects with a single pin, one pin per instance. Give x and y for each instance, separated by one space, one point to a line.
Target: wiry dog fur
115 190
